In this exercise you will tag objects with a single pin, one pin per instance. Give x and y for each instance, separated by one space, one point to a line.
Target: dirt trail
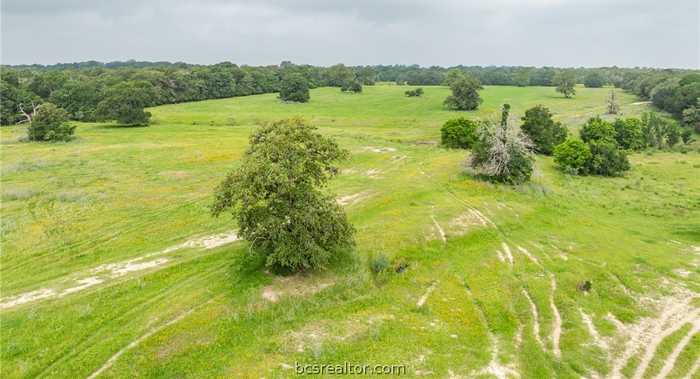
556 328
110 271
693 369
535 319
508 253
671 360
529 256
353 199
645 335
597 339
427 293
651 347
494 367
441 232
110 362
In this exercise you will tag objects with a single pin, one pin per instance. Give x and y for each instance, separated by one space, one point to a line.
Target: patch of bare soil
353 199
297 285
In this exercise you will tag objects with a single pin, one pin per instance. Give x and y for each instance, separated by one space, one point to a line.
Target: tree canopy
276 196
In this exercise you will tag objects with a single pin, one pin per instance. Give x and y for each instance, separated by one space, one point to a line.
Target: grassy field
111 265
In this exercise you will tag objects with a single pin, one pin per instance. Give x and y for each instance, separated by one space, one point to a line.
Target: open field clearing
112 265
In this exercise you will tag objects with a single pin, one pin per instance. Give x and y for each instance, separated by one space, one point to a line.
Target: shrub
607 159
276 197
459 133
628 133
418 92
542 130
597 129
352 86
573 157
500 155
691 117
294 88
378 264
50 123
465 95
660 132
566 83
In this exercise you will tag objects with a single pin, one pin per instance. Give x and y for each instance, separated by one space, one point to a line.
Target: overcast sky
323 32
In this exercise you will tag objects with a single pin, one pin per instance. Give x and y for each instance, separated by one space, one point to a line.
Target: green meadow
112 265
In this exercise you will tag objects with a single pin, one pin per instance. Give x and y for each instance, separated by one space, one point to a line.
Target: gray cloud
448 32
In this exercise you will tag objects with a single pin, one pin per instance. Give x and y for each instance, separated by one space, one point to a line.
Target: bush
607 159
597 129
628 133
418 92
573 157
542 130
500 155
276 197
459 133
465 95
50 123
294 88
352 86
378 264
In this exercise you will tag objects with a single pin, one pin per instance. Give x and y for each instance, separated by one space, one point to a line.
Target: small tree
628 133
125 103
542 130
465 95
597 129
294 88
354 86
459 133
691 117
275 195
607 159
573 156
613 106
418 92
500 155
50 123
566 83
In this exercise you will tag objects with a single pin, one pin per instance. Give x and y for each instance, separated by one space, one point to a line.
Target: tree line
89 91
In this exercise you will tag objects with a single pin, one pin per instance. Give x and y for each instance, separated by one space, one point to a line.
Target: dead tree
28 117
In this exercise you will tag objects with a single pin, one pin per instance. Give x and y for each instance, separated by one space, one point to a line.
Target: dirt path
693 369
427 293
556 328
110 362
110 271
507 252
535 319
645 335
671 360
530 256
441 232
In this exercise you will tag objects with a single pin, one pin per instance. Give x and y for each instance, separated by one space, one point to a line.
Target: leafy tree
594 80
522 78
43 84
628 133
125 102
500 155
660 132
352 86
295 88
573 157
11 96
597 129
79 98
459 133
50 123
276 198
418 92
566 83
613 106
691 117
338 75
542 130
606 159
465 95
